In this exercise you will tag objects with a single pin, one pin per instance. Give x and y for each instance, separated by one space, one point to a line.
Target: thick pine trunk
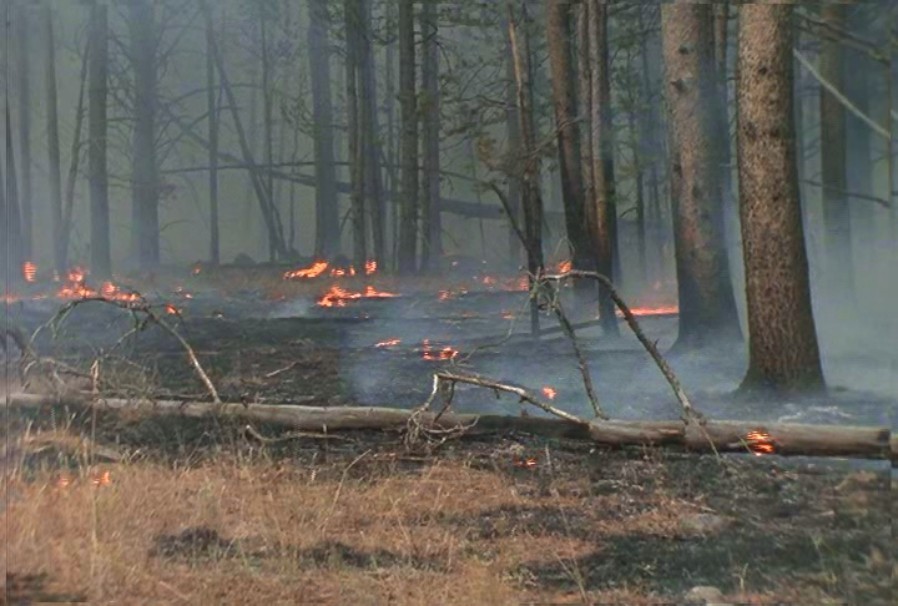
144 169
408 224
706 301
267 118
605 205
567 128
327 224
12 213
370 127
352 17
783 350
513 133
24 118
60 252
98 61
431 225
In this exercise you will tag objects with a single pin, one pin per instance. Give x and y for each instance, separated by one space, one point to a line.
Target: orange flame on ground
102 480
313 271
432 355
760 442
660 310
565 266
29 271
388 343
337 297
172 310
318 268
549 392
197 269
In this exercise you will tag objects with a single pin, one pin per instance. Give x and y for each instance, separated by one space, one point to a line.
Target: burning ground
511 518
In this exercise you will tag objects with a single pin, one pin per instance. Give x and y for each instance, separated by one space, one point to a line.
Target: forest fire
760 443
76 288
433 354
29 271
387 343
319 268
337 296
549 392
660 310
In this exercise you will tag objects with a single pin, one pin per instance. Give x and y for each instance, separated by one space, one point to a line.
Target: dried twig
690 413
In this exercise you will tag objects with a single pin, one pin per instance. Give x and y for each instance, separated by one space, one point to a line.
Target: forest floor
126 508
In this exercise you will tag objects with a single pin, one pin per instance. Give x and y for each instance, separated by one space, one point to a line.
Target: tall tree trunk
635 134
605 204
408 225
648 147
567 128
13 213
584 91
391 218
783 350
267 208
530 166
100 250
144 168
431 225
327 224
353 16
212 94
836 216
706 301
370 126
60 252
24 86
513 133
267 116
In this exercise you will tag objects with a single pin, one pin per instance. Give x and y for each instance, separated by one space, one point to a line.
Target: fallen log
788 439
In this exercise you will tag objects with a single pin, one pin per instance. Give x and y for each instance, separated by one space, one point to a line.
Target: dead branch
690 413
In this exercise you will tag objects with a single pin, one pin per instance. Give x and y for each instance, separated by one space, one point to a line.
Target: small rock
705 594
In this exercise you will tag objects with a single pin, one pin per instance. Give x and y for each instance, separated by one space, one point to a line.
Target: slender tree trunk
24 85
532 202
650 155
144 169
605 204
212 109
431 246
783 350
100 250
408 225
706 301
836 216
59 249
353 16
567 126
370 126
584 71
327 224
392 217
513 133
638 177
267 117
13 213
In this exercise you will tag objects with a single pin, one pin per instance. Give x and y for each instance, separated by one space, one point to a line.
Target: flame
446 295
549 392
488 280
388 343
337 296
760 442
318 268
507 314
197 269
172 310
29 271
102 480
565 266
313 271
436 355
660 310
370 267
526 463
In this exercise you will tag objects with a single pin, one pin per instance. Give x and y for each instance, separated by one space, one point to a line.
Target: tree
98 50
24 85
567 128
408 228
783 350
369 125
144 168
352 17
327 232
212 109
60 248
602 152
706 301
832 158
431 243
11 212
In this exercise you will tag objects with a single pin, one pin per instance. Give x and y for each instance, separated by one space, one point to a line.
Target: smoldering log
786 439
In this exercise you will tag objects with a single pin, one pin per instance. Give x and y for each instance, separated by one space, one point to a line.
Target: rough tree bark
836 216
60 249
532 205
98 61
352 17
12 213
144 168
24 85
605 205
513 133
408 224
370 127
783 350
431 225
327 222
706 301
567 127
212 108
267 113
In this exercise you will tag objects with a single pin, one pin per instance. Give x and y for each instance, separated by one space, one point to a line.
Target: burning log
725 436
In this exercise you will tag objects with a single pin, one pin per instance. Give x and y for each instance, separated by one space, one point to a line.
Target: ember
661 310
337 297
436 355
760 442
172 310
565 266
29 271
388 343
549 392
